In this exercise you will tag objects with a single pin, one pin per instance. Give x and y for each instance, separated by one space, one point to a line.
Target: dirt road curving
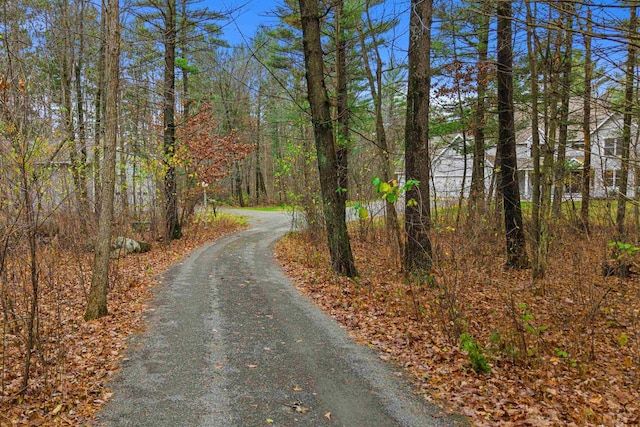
230 342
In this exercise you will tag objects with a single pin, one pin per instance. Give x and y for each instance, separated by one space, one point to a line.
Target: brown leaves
206 151
584 353
81 357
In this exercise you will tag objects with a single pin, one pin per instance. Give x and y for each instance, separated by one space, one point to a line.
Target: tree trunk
237 178
97 301
172 219
99 109
123 184
418 254
535 143
477 171
333 204
82 134
31 225
342 101
550 106
586 126
261 189
184 30
626 129
565 94
514 230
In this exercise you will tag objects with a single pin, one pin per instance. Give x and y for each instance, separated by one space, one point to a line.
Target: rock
131 245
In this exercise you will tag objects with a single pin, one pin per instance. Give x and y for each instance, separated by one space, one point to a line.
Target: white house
451 168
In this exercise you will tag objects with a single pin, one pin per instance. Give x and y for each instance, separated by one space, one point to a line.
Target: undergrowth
569 354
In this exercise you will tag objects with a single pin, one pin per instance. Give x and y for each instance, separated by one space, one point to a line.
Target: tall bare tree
97 301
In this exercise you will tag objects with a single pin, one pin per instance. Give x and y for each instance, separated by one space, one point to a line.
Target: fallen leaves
584 350
76 359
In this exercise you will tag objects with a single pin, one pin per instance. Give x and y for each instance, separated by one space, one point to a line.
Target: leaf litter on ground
555 348
77 359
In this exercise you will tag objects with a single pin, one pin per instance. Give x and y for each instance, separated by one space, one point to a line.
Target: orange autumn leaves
206 150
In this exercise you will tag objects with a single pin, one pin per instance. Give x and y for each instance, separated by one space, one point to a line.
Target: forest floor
562 351
74 360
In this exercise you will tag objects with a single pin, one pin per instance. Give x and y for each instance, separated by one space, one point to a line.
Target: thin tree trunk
185 73
82 134
565 94
626 129
31 223
261 189
514 230
537 265
586 126
237 178
97 301
172 219
342 103
99 109
482 81
463 122
546 176
123 185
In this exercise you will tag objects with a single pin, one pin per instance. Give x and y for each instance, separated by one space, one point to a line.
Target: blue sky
245 18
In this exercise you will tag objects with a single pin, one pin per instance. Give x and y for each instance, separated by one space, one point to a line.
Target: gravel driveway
230 342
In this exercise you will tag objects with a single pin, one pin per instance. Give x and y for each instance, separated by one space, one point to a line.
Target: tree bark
477 171
586 126
627 119
537 260
261 189
333 204
99 110
342 101
418 252
514 230
97 301
172 219
565 94
82 134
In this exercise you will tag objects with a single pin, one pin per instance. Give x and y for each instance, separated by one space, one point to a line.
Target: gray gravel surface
230 342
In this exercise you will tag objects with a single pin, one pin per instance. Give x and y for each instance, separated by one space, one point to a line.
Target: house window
613 146
612 178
